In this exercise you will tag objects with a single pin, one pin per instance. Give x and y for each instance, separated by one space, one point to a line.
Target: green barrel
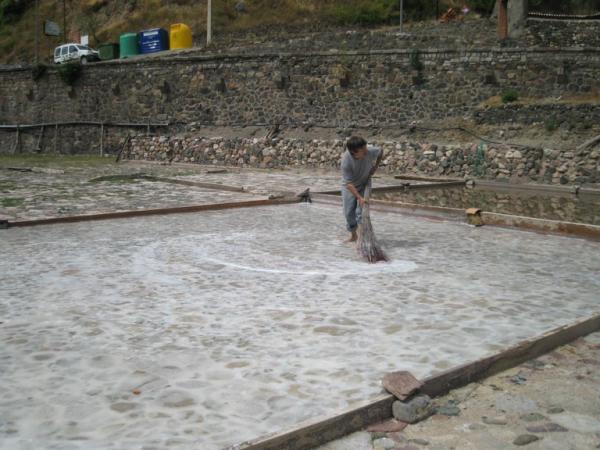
108 51
129 45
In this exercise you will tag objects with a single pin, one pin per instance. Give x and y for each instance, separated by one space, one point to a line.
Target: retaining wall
470 160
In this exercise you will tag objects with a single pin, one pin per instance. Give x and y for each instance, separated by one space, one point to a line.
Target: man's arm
376 166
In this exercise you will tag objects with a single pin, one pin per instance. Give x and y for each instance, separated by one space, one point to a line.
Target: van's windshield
83 47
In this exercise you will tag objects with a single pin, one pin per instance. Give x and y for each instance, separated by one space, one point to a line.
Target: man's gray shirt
357 172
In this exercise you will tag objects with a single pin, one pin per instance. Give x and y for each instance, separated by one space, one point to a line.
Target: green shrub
38 71
11 202
551 124
482 6
415 60
418 10
69 72
11 10
364 12
510 95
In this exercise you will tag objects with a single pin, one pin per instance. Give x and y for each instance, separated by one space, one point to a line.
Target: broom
367 244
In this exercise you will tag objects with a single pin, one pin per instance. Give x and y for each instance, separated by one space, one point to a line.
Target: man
359 163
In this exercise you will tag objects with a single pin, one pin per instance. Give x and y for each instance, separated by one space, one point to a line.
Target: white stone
577 422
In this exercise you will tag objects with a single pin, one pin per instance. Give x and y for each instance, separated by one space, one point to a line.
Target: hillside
105 20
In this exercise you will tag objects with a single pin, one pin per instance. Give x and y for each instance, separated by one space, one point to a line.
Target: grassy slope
109 18
105 20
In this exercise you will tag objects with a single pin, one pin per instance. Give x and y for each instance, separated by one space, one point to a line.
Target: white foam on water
232 324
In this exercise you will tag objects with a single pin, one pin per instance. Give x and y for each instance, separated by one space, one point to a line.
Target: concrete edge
402 188
433 185
200 184
407 176
312 433
320 430
522 223
213 57
444 382
152 212
542 188
583 230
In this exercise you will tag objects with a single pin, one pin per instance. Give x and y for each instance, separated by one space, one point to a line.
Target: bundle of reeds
367 245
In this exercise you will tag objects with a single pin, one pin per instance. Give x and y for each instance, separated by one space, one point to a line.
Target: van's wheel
84 60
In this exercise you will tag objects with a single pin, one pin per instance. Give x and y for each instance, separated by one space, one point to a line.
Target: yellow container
180 36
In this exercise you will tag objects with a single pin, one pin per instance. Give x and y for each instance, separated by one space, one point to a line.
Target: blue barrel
154 40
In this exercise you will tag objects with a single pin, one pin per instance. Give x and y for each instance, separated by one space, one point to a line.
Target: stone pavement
62 187
549 403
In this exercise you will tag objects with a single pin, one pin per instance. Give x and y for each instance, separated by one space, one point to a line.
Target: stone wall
473 160
562 33
564 116
65 139
458 34
338 89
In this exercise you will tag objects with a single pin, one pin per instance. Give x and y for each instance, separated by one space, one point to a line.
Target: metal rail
83 123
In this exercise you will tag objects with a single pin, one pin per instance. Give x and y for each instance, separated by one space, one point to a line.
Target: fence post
17 140
102 139
56 137
39 142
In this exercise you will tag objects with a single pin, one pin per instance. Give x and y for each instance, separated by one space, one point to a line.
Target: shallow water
566 207
204 330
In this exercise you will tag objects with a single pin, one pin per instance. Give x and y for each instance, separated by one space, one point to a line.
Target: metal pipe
37 31
78 122
401 14
209 23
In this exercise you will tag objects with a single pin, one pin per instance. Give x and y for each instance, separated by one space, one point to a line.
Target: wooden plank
214 186
425 178
422 186
527 188
413 209
312 433
403 188
318 431
529 349
152 212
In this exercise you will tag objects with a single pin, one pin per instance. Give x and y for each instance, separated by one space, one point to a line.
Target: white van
74 52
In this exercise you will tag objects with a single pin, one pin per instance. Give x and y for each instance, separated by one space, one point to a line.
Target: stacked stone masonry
376 88
563 33
361 84
473 160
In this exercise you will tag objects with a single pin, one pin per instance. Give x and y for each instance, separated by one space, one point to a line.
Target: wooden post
39 142
17 141
56 137
209 23
148 129
37 31
102 139
502 19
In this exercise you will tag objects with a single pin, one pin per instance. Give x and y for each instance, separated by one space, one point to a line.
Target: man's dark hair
355 143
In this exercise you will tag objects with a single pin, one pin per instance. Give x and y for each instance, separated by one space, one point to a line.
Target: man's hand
361 200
